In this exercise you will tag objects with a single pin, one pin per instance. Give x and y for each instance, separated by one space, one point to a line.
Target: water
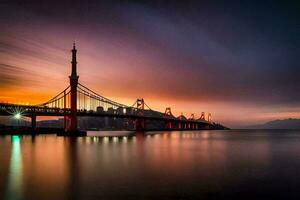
169 165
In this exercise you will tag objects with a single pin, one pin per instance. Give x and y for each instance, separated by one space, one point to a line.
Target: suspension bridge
78 100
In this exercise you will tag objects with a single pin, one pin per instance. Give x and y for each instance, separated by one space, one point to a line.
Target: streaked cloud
194 56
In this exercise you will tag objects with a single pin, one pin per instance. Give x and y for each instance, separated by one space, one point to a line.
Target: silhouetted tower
202 116
192 117
140 122
73 84
209 117
168 114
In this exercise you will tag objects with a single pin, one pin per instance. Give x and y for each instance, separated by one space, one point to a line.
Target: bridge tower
209 117
181 125
73 83
140 122
191 124
202 116
168 114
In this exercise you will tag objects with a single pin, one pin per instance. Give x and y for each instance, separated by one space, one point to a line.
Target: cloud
11 76
192 52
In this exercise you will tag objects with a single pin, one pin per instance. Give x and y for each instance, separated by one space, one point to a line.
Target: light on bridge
17 116
16 113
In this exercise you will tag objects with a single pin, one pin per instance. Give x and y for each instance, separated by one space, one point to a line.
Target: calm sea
161 165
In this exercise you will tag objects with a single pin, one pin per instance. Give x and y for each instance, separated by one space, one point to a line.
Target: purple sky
237 60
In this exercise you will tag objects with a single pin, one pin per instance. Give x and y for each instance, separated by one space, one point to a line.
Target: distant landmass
278 124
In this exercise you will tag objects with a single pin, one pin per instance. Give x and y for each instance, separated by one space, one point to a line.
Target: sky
237 60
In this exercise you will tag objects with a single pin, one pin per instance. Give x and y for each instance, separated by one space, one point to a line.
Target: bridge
77 100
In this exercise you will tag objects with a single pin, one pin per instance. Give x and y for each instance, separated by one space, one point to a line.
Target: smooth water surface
164 165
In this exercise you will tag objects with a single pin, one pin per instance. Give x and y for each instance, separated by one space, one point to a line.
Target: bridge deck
28 111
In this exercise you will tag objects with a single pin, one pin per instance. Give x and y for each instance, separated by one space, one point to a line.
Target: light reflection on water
14 182
169 165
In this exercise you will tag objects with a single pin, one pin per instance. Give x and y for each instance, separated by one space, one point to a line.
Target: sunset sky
238 60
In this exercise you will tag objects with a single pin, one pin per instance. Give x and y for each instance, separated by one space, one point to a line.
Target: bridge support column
139 124
66 123
179 126
33 122
168 125
73 84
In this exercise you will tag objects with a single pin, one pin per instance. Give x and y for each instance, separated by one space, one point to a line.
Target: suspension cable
54 98
100 97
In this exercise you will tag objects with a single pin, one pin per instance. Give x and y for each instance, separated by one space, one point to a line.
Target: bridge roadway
7 109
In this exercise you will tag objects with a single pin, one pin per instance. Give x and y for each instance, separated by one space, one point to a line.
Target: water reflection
15 177
168 165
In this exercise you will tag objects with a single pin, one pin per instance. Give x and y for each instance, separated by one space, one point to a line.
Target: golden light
18 116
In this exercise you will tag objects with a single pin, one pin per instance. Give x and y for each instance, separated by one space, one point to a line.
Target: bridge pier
139 124
179 126
168 125
33 122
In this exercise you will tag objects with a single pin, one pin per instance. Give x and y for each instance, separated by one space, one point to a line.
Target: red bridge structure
78 100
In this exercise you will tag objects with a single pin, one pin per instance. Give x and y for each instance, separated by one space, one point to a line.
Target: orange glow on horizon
37 80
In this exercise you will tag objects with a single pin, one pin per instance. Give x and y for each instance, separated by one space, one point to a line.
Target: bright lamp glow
17 116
